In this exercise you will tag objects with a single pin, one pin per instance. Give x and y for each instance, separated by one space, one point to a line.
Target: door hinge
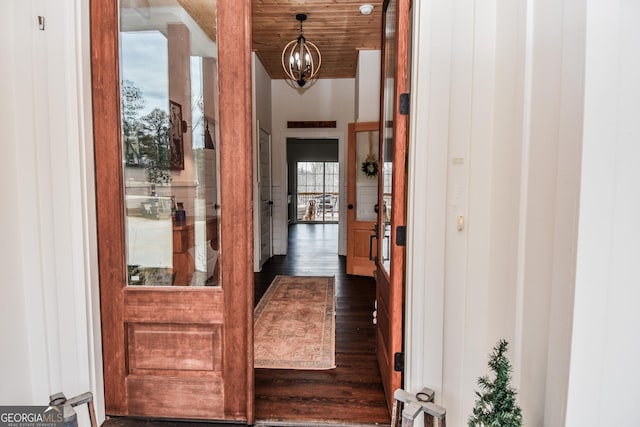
405 99
401 235
398 362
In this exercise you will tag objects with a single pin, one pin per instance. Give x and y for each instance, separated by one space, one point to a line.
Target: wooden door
180 351
266 204
390 270
362 197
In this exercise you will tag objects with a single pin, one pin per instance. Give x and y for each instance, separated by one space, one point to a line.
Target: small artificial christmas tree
496 404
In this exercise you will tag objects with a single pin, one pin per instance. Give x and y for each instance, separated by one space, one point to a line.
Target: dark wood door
178 351
390 272
362 197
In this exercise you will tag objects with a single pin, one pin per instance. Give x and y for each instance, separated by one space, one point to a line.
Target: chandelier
301 59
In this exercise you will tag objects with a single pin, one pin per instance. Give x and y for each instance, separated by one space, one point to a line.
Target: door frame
234 35
280 246
427 203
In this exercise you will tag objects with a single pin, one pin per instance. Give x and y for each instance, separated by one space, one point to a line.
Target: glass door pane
330 192
367 167
169 99
388 128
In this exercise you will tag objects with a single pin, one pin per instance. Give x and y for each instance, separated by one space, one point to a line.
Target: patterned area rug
295 323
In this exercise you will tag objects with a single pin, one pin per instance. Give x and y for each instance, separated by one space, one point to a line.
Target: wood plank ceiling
336 26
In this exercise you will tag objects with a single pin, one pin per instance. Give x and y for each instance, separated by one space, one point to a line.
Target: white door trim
427 196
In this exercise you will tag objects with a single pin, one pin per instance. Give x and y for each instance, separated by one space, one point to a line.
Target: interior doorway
313 180
317 192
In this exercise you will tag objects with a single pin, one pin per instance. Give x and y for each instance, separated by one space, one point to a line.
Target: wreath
370 166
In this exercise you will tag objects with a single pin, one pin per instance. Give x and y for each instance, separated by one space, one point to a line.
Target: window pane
317 191
169 135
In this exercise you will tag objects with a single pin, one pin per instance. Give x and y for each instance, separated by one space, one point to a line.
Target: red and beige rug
295 323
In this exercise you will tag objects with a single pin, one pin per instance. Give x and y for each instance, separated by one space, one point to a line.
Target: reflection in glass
169 107
387 126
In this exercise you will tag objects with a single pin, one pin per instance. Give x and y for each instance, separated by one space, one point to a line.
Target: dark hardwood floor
352 393
349 395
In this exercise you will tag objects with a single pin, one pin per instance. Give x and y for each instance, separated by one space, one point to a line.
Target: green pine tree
496 405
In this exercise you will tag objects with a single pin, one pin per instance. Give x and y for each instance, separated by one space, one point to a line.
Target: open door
362 197
175 247
266 204
390 271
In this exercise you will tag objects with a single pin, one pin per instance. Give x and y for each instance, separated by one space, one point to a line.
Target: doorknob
350 206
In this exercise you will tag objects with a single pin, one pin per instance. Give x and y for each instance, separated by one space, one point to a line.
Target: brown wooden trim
366 126
109 195
141 305
400 141
311 124
236 175
399 123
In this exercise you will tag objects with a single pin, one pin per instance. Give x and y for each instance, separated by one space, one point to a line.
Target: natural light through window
317 191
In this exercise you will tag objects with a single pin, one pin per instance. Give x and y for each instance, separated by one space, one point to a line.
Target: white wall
50 311
327 99
496 123
367 98
15 360
555 117
606 345
262 98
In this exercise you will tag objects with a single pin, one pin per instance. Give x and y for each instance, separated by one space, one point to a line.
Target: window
317 190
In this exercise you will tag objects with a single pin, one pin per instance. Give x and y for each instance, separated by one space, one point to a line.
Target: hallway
350 394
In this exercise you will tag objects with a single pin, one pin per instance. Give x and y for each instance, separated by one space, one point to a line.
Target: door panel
169 360
362 194
157 396
383 333
392 195
177 344
156 348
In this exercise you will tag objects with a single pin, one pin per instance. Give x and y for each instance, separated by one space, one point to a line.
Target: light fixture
301 59
366 9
